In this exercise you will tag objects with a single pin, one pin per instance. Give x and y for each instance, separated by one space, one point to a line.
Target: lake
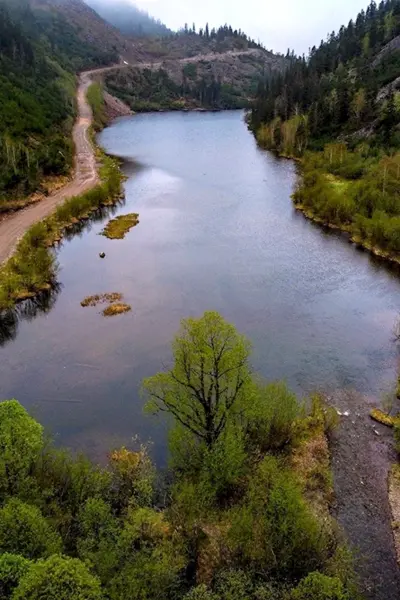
217 231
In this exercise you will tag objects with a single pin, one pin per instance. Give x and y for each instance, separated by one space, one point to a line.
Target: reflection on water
217 231
27 310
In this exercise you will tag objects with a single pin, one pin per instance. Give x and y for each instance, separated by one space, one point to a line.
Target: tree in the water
207 384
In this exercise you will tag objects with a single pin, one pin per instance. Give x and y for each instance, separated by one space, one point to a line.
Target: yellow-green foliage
117 228
384 418
289 138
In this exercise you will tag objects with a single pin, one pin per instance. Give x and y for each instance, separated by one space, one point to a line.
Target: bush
98 537
21 440
273 530
12 569
271 416
201 592
234 585
58 578
319 587
24 531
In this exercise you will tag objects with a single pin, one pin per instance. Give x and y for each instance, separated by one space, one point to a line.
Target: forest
242 512
338 110
37 90
148 90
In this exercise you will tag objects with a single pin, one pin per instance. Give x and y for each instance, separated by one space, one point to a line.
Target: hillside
43 44
344 103
216 69
130 20
346 87
36 108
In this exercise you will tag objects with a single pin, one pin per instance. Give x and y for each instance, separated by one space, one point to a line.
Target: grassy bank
33 267
354 191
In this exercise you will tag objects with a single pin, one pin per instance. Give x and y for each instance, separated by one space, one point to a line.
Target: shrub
24 530
98 536
271 416
21 440
234 585
319 587
201 592
12 568
273 530
58 578
151 558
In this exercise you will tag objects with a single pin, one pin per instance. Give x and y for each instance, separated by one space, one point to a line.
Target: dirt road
362 453
85 177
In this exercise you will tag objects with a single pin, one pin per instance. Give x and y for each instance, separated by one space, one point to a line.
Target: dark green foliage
24 531
336 88
12 569
36 110
21 441
58 578
39 52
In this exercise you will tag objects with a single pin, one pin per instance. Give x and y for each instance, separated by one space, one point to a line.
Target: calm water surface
217 231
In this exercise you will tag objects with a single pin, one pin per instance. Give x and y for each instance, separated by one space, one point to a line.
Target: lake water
217 231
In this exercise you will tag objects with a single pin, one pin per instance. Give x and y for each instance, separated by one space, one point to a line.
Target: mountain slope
338 87
129 19
217 69
36 108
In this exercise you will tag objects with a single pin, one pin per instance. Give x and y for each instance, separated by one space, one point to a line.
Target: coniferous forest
37 89
339 111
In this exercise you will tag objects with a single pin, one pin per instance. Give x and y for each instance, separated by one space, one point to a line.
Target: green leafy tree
58 578
24 531
207 385
12 568
21 440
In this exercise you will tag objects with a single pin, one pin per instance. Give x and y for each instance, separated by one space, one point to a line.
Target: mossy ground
117 228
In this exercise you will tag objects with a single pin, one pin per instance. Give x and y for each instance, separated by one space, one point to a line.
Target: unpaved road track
362 454
85 177
13 227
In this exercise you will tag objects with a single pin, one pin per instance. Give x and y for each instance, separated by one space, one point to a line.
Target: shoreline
351 238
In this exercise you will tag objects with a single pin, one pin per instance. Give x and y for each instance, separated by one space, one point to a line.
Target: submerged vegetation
117 228
244 515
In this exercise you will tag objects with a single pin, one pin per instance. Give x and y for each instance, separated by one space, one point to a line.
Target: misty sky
279 24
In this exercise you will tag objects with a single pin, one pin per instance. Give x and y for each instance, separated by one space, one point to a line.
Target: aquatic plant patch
117 228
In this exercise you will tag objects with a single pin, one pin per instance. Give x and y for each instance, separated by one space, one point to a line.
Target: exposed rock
115 107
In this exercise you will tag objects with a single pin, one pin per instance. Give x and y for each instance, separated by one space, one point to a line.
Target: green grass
117 228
